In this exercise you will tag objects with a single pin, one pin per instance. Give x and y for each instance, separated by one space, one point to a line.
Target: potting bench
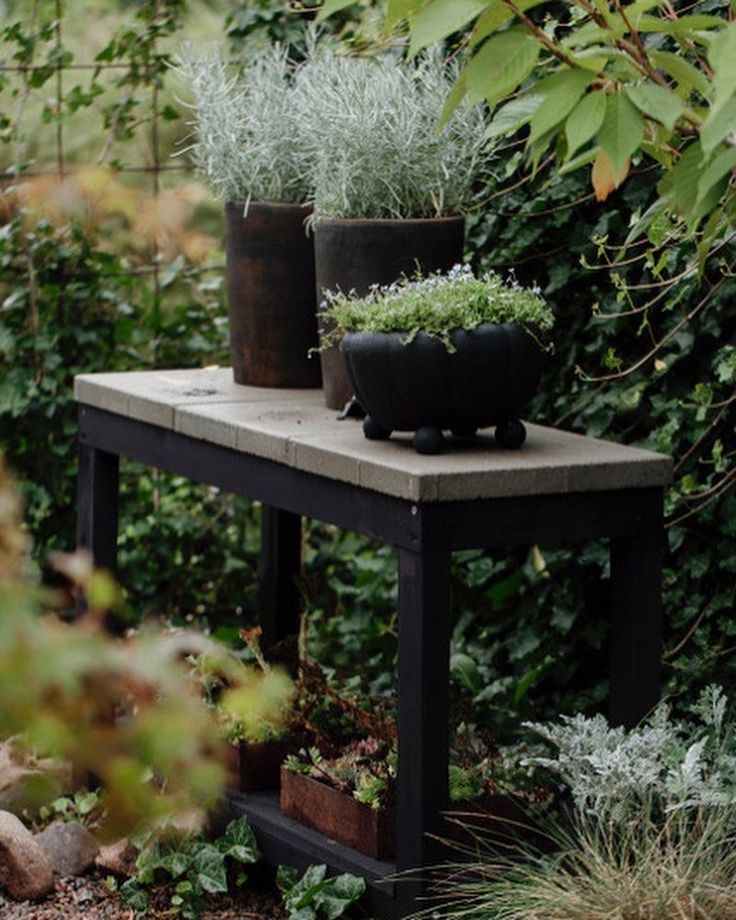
284 449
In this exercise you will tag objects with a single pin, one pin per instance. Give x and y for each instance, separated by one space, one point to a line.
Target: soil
87 898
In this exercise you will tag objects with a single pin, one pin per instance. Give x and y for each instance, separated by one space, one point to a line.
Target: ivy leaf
500 65
658 102
621 133
339 893
239 842
440 19
605 177
208 869
584 121
561 93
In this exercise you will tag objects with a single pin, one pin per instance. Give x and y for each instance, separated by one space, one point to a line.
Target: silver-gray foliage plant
677 765
247 137
372 126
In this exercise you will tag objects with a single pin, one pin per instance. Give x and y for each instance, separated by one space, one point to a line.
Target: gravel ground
87 898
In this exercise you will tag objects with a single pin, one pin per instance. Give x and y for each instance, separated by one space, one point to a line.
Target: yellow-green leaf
622 131
716 173
584 121
440 19
500 65
721 121
683 72
722 58
399 10
495 15
658 102
561 92
512 116
329 7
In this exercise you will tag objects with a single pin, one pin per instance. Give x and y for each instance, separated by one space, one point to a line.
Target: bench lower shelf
284 841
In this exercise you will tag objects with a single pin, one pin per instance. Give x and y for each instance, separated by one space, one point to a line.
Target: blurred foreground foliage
122 711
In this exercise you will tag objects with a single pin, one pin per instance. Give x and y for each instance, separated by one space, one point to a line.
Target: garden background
111 259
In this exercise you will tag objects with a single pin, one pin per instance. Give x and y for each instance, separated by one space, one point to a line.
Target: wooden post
424 712
635 642
281 560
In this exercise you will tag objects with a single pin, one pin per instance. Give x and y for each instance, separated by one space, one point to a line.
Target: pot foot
464 432
373 431
428 440
510 435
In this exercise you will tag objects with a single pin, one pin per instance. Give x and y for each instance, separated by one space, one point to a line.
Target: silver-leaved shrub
666 763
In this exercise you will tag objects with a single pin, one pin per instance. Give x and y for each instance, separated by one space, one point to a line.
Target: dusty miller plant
668 764
247 130
372 126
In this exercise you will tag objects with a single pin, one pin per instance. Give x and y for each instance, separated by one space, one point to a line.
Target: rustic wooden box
255 767
337 815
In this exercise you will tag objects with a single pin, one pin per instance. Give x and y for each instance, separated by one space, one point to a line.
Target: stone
25 870
118 857
70 848
295 429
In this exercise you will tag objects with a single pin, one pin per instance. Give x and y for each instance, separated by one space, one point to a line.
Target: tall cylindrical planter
271 295
353 254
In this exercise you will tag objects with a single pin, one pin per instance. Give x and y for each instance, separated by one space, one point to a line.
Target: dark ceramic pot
354 254
420 386
271 295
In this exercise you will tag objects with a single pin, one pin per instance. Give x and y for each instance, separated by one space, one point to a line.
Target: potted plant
247 144
256 746
443 352
390 186
351 796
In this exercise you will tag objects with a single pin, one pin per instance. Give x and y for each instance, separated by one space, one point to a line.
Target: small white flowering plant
438 304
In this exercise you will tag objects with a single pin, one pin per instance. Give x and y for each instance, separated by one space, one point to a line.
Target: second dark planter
353 255
271 295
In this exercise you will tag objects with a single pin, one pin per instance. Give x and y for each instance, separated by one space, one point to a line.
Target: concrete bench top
294 427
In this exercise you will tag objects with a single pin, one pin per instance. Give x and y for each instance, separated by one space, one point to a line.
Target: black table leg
281 559
97 505
636 616
424 711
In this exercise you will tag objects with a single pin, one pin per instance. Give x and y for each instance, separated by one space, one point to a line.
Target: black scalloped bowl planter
420 386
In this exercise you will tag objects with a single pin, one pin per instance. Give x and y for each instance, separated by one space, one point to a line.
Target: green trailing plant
315 896
438 305
371 130
193 868
248 131
82 807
